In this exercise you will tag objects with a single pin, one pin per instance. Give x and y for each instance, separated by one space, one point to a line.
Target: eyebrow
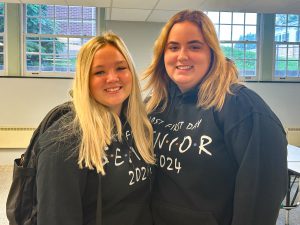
117 63
190 42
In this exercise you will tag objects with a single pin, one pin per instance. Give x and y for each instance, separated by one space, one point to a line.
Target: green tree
33 24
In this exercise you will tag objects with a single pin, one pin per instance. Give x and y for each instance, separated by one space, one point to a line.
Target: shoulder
61 138
245 100
244 103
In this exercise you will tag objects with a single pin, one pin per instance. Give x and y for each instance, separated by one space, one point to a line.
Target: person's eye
195 47
173 48
120 68
99 73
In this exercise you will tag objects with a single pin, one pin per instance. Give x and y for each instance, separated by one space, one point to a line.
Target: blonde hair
216 83
96 122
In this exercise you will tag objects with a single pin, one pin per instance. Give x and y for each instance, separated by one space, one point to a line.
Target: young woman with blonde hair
94 162
221 151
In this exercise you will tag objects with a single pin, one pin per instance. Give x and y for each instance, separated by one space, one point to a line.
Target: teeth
113 89
184 67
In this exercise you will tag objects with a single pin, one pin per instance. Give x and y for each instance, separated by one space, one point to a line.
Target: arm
260 148
59 187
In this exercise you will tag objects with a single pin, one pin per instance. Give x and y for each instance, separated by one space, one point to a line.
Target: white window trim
257 42
284 79
50 74
5 52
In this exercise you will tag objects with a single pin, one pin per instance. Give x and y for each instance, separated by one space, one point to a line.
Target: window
287 45
53 35
237 32
2 38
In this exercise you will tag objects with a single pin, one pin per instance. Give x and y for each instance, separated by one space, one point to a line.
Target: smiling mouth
184 67
113 90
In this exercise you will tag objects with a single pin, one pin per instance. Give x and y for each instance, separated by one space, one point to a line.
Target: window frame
4 35
25 35
244 42
287 43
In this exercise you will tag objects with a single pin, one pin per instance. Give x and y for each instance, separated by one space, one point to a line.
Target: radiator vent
293 135
15 137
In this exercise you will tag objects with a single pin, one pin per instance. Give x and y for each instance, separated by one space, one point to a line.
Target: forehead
185 30
108 52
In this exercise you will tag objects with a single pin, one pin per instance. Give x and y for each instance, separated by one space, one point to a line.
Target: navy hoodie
223 167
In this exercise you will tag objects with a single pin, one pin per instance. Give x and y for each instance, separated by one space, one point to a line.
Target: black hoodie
223 167
68 195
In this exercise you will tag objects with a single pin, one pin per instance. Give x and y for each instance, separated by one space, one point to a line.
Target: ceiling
162 10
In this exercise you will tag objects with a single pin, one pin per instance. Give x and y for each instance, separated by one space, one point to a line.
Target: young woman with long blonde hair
94 162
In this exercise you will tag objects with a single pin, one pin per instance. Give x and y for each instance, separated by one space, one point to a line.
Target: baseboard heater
293 135
15 137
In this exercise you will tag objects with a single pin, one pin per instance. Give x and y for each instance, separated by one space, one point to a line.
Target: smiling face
110 78
187 56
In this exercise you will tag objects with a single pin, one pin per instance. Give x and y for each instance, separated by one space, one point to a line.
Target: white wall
283 98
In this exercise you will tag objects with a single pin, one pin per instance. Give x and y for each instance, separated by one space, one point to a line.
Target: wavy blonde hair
96 122
215 84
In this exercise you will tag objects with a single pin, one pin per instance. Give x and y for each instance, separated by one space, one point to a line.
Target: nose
183 54
112 77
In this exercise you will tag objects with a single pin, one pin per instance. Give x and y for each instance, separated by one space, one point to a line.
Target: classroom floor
5 181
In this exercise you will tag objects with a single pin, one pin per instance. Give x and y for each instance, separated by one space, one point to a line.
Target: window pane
238 18
47 45
89 28
75 27
61 12
225 32
47 62
250 33
1 24
280 68
61 27
293 52
227 49
32 10
89 13
240 66
75 12
238 51
250 68
32 44
33 25
292 34
225 17
74 45
280 19
1 8
251 18
61 46
32 62
250 51
293 69
47 10
281 51
1 62
61 63
279 32
72 62
214 16
237 33
47 26
1 44
293 20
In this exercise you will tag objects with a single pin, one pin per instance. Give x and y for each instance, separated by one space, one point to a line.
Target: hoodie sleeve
60 185
257 140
